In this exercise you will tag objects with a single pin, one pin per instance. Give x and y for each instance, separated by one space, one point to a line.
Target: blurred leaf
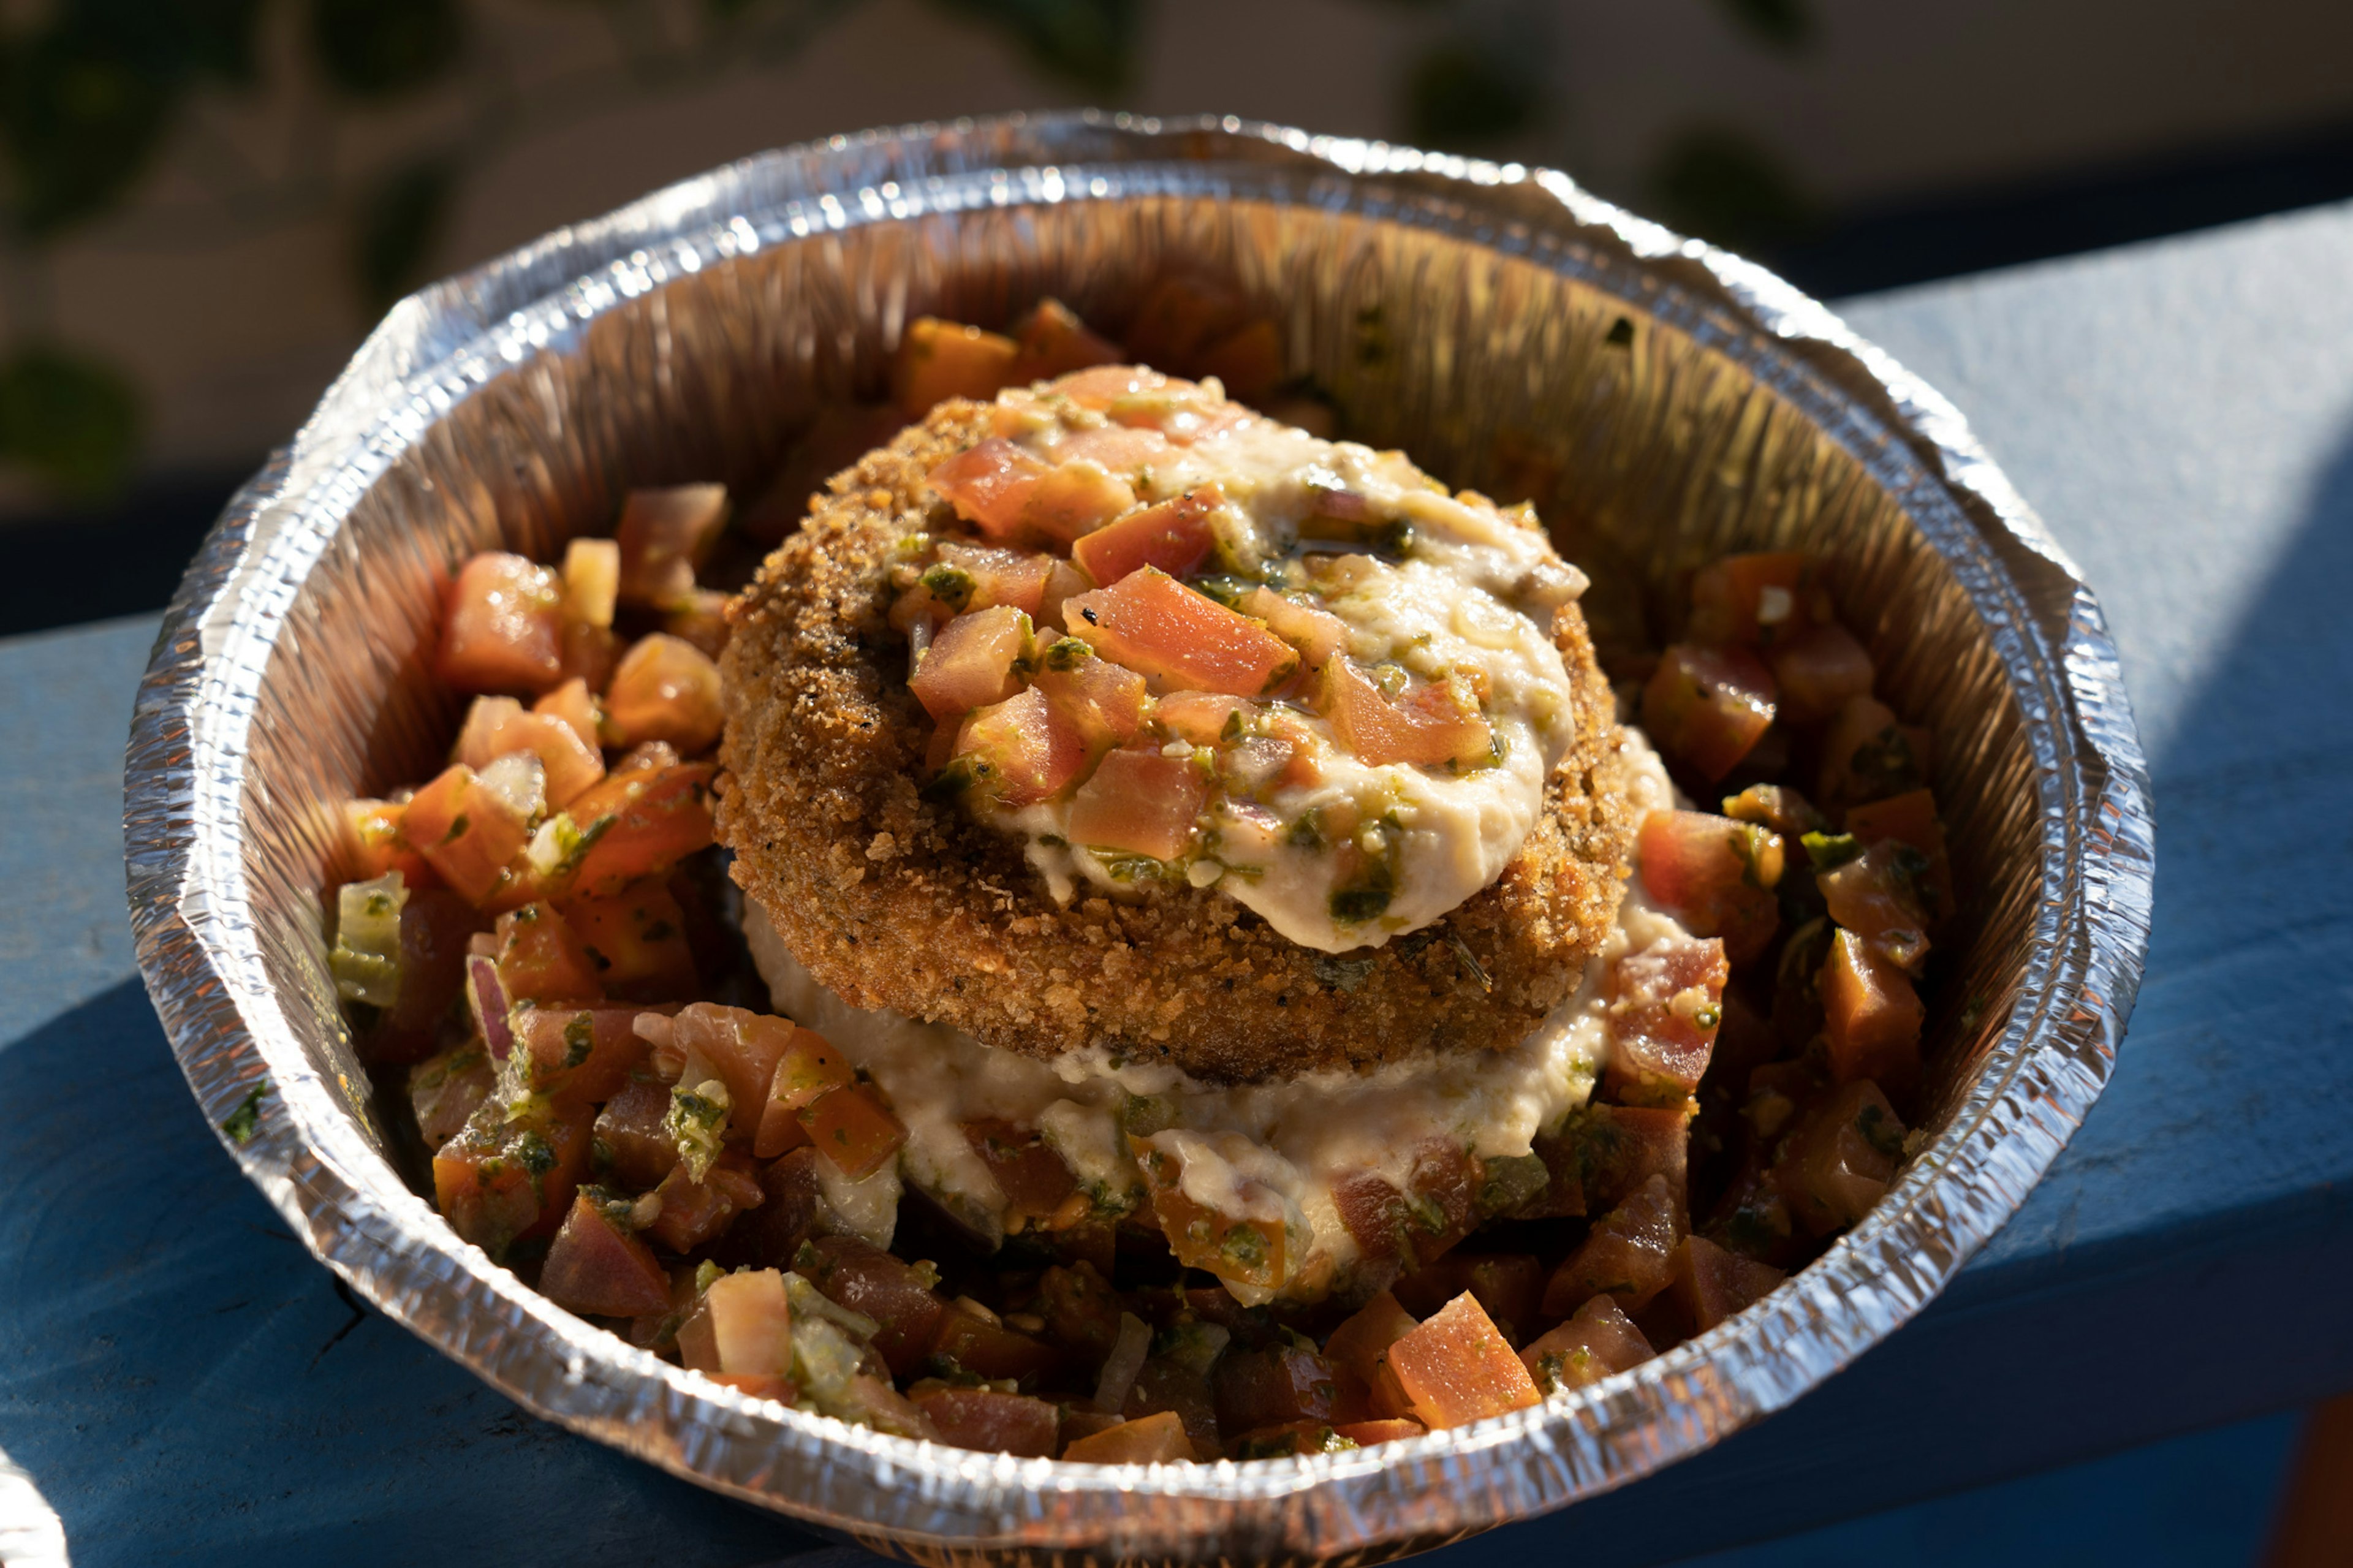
1723 185
72 420
1784 24
1091 42
381 49
1460 97
400 221
84 108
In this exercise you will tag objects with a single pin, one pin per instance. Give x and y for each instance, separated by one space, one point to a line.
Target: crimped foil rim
194 929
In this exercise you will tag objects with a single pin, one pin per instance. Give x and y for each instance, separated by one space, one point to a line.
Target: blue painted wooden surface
187 1386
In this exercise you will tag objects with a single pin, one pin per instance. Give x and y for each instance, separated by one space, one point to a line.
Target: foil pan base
1661 403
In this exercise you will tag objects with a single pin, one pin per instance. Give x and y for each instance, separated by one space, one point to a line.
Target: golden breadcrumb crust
894 902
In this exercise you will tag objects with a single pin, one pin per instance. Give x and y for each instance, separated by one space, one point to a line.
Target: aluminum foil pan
1660 401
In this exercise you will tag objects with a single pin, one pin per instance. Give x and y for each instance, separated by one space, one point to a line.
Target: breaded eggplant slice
898 903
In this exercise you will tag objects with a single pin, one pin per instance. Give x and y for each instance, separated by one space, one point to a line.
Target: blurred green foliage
70 420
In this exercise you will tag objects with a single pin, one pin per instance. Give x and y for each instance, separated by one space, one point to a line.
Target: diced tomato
1359 1349
540 957
1248 363
1911 818
854 1131
586 1053
1777 807
1081 1310
1708 706
1711 1284
1758 597
1053 342
695 1212
500 1180
970 663
1102 701
446 1090
1508 1285
1600 1339
806 1069
1139 803
742 1047
1436 724
866 1278
1876 896
640 822
1438 1209
1175 536
1841 1160
436 925
938 360
1204 718
1457 1368
636 937
1151 622
1273 1387
1603 1153
589 654
1074 499
1015 577
758 1385
594 1267
1020 751
991 1422
1035 1179
1714 875
469 833
376 842
1871 1013
751 1323
1316 634
1629 1254
592 580
497 727
701 620
1368 1434
1666 1002
503 628
665 689
773 1233
1117 449
632 1140
1245 1247
1867 755
988 1349
664 535
1817 672
1156 1440
990 484
1183 313
1100 386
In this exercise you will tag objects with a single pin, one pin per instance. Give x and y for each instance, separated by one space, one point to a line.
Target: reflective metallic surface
1661 402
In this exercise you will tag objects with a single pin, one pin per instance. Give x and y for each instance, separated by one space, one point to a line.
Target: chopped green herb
1829 851
950 586
242 1122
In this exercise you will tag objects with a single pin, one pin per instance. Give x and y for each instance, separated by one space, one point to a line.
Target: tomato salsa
1128 665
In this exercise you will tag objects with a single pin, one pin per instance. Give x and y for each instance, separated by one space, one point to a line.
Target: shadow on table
186 1384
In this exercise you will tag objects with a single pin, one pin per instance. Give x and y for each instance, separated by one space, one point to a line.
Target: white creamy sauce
1256 1150
1474 594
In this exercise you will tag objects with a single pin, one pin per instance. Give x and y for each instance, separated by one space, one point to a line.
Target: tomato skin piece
469 835
1628 1254
1141 802
1435 724
664 535
540 956
989 484
1456 1368
375 843
1870 1015
595 1269
999 576
1708 706
665 689
1150 622
1598 1340
576 1049
503 627
970 663
990 1422
1666 1003
855 1131
695 1212
1078 495
938 360
1020 751
1174 536
658 816
1705 870
1102 701
636 940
